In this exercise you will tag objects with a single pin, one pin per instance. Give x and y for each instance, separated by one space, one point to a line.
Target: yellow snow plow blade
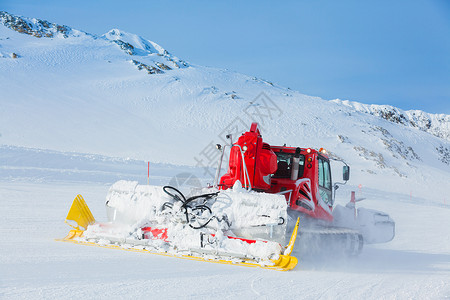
79 216
291 244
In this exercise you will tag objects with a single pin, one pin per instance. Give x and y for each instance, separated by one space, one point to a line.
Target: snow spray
353 201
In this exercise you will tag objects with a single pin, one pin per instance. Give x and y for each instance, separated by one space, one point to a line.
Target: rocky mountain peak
435 124
36 27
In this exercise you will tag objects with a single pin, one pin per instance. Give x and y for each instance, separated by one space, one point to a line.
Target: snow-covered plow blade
228 227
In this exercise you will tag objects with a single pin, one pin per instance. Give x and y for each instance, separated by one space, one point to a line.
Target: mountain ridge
141 47
136 45
435 124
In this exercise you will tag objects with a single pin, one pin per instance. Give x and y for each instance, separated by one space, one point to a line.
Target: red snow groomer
250 218
303 175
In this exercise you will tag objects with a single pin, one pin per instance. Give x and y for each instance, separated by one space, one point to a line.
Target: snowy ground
34 201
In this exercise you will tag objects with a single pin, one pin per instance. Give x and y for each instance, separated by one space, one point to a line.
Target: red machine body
303 175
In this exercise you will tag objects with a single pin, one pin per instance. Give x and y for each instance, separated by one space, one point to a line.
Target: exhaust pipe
295 164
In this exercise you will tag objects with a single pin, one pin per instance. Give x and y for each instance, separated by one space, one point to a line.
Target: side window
325 181
326 175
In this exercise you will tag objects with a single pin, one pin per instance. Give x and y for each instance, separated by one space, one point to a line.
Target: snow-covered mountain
122 95
436 124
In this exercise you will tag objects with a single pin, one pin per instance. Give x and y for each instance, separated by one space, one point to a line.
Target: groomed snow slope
415 265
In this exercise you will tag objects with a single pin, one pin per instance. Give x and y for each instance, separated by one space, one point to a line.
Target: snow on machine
245 218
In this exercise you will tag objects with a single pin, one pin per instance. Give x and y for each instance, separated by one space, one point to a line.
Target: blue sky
381 52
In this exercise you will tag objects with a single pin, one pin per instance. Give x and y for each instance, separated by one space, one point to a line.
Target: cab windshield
285 161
